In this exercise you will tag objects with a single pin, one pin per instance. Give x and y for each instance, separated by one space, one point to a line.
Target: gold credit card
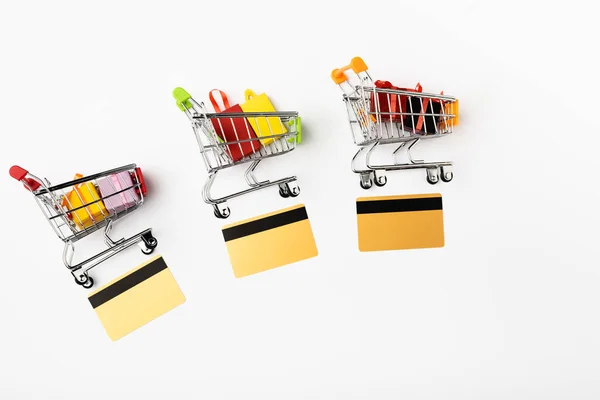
400 222
269 241
136 298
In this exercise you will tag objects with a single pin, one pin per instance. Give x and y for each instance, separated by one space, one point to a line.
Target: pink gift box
113 184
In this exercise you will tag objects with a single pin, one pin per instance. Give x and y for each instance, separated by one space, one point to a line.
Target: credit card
269 241
136 298
400 222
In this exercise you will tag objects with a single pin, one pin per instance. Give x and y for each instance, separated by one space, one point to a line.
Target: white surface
508 309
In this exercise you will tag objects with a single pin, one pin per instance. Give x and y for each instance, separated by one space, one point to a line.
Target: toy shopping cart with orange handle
235 137
381 113
87 204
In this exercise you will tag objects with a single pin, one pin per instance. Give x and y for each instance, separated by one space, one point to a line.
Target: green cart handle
182 98
297 122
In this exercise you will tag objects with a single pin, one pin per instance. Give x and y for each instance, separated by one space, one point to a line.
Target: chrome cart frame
381 116
217 154
56 203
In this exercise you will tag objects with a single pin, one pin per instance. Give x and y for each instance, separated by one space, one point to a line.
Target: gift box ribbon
223 98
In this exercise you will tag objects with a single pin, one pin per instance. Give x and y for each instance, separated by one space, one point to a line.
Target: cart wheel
432 176
431 181
381 180
222 214
152 243
284 193
88 283
290 189
295 191
446 176
148 250
366 180
366 185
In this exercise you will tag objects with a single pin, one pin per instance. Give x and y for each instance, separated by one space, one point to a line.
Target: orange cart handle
357 64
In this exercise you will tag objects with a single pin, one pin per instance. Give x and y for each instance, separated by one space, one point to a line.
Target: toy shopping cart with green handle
231 136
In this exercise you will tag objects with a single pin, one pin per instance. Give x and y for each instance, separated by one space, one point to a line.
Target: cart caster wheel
88 283
151 242
222 214
284 193
294 191
380 180
446 176
366 180
432 181
148 250
148 244
366 185
432 176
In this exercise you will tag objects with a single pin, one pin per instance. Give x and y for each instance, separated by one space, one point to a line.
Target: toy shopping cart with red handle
88 204
231 138
381 113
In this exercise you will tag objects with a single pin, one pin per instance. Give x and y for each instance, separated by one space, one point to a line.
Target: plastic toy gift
111 188
85 194
263 126
233 129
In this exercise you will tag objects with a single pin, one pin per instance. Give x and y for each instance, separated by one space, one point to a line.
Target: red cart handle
17 172
141 181
20 174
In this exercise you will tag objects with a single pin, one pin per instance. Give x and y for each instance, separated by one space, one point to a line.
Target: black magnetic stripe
264 224
398 205
127 282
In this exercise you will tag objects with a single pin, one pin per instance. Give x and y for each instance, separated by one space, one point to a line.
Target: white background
507 309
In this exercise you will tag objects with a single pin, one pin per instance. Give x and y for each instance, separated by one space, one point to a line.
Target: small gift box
387 105
263 126
233 129
394 106
84 194
110 187
429 110
450 108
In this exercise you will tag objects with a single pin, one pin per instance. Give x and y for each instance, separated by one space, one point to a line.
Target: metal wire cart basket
381 113
231 138
87 204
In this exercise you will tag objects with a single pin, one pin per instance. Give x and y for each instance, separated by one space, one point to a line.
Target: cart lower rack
228 139
382 114
88 204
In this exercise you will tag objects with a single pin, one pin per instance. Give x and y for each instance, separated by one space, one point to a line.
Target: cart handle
182 98
357 64
20 174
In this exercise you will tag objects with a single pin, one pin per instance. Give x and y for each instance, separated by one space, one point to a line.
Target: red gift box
387 102
233 129
428 122
394 103
406 104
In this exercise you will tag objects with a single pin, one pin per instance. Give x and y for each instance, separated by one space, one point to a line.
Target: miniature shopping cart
384 114
80 207
277 133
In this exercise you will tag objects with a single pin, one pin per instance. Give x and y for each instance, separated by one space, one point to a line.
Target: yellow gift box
83 194
263 126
